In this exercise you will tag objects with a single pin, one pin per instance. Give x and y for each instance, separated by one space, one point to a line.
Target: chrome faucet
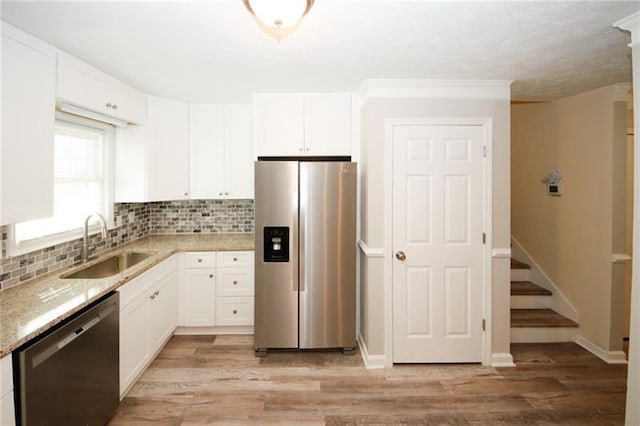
85 237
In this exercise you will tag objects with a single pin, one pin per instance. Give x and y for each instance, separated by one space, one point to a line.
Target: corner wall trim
371 362
610 357
370 252
500 359
620 257
501 253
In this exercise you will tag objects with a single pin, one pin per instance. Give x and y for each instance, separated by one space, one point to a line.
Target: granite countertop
33 307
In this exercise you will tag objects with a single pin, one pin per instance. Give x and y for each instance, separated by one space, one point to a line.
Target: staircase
532 320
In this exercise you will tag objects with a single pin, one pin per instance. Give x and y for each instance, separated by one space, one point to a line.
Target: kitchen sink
110 266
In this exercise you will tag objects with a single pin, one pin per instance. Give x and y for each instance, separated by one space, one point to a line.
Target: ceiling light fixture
278 18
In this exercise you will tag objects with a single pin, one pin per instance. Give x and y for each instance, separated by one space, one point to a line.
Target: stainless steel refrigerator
305 259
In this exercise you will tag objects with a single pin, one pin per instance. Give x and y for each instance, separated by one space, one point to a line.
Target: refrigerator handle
302 230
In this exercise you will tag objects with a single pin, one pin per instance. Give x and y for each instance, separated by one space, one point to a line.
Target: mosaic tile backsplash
201 216
169 217
15 270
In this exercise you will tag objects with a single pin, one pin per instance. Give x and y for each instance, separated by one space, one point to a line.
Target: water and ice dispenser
276 243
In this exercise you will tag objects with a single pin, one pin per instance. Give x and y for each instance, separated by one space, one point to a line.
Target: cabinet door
327 121
135 349
7 410
80 84
239 152
279 125
164 310
28 115
167 139
200 298
206 151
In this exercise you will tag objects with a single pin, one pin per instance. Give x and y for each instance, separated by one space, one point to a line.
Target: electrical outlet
119 221
132 217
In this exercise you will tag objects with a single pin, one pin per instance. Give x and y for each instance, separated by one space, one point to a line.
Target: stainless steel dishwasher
70 376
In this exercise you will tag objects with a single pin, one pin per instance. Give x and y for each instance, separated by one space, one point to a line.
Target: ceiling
212 51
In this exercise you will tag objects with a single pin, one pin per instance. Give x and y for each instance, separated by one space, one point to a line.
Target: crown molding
435 89
631 23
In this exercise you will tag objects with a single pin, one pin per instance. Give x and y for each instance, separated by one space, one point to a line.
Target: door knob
401 256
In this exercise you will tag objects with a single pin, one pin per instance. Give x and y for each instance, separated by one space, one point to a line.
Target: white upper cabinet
152 160
206 151
302 124
82 85
221 151
28 116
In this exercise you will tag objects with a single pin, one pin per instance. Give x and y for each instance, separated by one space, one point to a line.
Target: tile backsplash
167 217
201 216
17 269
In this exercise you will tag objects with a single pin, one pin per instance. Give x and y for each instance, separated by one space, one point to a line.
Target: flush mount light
278 18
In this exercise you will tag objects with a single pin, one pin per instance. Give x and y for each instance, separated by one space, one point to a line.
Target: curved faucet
85 235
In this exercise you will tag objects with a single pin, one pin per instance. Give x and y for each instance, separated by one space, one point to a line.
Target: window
82 185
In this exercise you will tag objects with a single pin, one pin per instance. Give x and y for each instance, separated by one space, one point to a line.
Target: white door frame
487 261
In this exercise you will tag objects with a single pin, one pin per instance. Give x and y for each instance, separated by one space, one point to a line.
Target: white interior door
437 243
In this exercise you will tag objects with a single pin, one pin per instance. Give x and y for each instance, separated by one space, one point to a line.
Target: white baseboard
610 357
499 359
371 362
206 331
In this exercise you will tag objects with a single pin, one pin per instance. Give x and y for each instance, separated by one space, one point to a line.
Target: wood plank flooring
200 380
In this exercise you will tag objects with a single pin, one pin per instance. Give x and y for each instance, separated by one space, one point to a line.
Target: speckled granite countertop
30 309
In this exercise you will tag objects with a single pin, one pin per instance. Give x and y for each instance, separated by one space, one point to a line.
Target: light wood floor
198 380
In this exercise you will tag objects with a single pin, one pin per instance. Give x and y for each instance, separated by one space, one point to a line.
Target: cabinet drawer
200 260
234 311
235 282
235 258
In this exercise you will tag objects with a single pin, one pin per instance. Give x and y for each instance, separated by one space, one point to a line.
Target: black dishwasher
70 376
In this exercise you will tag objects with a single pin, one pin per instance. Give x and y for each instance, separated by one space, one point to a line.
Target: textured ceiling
212 51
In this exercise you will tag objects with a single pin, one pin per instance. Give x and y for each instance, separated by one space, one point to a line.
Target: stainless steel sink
110 266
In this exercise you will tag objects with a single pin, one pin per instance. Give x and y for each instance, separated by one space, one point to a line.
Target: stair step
539 318
527 288
516 264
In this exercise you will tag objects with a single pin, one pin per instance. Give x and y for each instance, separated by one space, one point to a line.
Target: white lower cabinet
199 294
217 289
148 317
7 408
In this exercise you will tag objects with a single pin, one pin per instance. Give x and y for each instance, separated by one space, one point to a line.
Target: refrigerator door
327 255
276 274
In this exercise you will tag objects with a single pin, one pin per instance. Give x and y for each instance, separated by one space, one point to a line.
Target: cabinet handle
235 259
186 193
308 149
219 193
210 275
300 149
235 283
199 260
153 296
157 292
115 106
226 193
108 104
235 311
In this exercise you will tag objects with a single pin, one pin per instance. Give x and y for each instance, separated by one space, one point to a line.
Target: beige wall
571 236
374 114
